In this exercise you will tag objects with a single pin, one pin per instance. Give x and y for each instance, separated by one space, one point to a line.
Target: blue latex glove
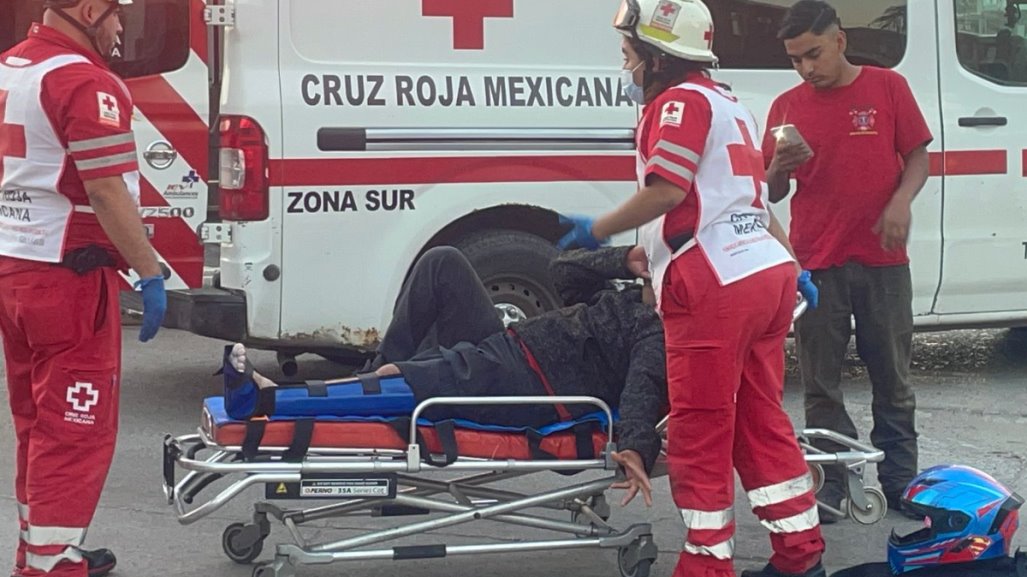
809 290
580 235
155 303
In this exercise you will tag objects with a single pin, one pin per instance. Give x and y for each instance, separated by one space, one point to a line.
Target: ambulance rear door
163 57
984 90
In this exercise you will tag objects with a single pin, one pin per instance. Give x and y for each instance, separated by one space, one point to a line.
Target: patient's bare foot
238 360
389 370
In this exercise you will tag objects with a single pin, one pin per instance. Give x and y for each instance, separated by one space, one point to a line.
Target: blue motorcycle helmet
968 516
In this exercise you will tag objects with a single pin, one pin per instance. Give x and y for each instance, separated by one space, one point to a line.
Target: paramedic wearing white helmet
69 219
725 282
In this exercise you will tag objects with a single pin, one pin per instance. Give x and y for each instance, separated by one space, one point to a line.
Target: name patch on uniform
665 16
109 112
672 114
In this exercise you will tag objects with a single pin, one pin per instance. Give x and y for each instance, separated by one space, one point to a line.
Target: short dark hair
804 16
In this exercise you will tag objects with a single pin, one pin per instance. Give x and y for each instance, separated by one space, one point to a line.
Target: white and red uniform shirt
65 118
700 138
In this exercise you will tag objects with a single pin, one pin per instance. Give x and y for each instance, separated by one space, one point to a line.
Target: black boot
101 561
769 571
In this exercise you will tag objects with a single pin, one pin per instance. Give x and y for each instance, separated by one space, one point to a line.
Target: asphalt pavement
972 412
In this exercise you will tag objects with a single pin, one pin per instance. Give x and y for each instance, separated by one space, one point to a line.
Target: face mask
634 92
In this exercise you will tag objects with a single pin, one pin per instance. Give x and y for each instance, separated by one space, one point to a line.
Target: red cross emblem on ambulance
468 18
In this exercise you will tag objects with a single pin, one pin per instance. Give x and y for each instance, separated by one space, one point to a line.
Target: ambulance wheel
242 543
641 568
514 267
875 512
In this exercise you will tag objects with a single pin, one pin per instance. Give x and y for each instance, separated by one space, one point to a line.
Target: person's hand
155 304
637 480
809 291
638 263
893 225
581 233
389 370
788 156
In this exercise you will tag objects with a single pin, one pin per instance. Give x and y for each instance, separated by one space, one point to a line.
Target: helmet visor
627 16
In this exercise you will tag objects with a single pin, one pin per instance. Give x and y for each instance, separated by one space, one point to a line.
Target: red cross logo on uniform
668 9
83 397
468 18
12 136
109 103
671 108
747 160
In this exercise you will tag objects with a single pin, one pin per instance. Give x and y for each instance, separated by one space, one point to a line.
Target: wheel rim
816 471
510 313
517 297
877 510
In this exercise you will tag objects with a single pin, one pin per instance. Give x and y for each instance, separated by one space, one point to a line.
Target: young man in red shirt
863 162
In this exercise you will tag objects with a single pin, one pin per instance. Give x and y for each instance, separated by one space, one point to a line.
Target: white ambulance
355 134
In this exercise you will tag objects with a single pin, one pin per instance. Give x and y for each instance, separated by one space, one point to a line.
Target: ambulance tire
514 267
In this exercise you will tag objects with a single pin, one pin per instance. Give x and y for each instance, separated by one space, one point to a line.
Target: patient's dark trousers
880 299
447 339
442 303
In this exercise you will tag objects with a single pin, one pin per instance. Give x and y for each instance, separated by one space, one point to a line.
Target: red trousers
62 346
725 370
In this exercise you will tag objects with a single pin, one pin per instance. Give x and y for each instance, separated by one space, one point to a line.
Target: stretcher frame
461 500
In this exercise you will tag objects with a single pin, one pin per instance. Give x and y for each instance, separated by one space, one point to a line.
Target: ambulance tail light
243 169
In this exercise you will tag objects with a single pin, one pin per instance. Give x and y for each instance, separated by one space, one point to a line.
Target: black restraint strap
371 383
266 399
303 431
317 388
583 440
446 432
535 447
251 442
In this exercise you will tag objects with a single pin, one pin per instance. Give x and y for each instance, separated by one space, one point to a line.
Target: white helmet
681 28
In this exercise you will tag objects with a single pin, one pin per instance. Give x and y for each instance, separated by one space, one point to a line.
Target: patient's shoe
769 571
99 561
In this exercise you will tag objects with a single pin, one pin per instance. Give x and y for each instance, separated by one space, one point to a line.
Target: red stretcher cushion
364 435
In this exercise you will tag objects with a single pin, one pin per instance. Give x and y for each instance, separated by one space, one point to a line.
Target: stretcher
367 467
440 474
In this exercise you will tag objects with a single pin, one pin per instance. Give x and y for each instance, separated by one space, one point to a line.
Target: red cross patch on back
109 112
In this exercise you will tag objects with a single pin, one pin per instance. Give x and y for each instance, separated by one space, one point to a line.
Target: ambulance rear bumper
209 312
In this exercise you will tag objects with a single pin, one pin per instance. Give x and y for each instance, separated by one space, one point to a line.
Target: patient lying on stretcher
447 339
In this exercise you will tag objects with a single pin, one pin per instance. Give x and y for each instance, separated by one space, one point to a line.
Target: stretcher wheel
641 568
264 570
816 470
242 543
875 512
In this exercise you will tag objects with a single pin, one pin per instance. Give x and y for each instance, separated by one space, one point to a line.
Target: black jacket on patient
447 340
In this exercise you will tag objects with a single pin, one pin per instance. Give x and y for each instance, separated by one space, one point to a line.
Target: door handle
983 121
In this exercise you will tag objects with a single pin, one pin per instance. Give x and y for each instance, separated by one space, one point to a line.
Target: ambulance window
746 35
156 38
990 40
